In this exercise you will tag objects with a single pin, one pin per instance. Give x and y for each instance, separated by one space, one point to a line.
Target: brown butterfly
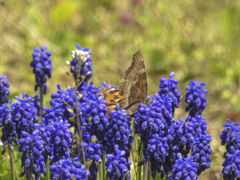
132 91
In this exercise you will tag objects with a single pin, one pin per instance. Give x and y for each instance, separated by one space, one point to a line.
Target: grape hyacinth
32 159
59 139
8 126
108 85
117 165
195 98
201 151
52 115
119 132
153 118
5 115
42 67
4 91
81 65
66 169
231 136
180 139
95 111
197 125
64 101
184 168
231 166
24 114
170 88
157 151
93 153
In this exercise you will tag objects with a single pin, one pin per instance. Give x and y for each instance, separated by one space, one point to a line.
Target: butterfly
132 91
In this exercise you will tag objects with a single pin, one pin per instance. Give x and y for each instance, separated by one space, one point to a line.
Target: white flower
79 53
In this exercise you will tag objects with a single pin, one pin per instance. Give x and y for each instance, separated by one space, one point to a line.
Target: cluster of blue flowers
163 138
184 168
158 151
77 131
169 87
81 65
231 139
42 67
117 165
4 91
32 146
58 138
119 132
66 169
195 98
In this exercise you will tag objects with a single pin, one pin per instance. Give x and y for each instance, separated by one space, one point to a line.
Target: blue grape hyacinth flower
231 135
169 87
24 114
119 132
154 118
195 98
8 126
157 151
67 169
184 169
4 91
117 166
179 138
32 147
42 67
92 153
231 138
231 165
81 65
201 151
59 138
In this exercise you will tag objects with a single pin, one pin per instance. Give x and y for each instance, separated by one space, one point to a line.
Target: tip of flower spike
44 47
108 85
36 50
78 46
171 74
3 77
78 53
117 106
58 86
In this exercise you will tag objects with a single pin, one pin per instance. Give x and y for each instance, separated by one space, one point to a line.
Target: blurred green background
196 39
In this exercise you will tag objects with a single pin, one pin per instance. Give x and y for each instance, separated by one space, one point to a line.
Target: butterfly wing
134 86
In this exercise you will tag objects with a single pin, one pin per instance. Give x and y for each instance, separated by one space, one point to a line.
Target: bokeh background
196 39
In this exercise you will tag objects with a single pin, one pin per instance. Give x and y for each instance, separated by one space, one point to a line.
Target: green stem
48 171
80 131
103 167
145 172
41 101
135 168
140 157
149 172
11 161
100 172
